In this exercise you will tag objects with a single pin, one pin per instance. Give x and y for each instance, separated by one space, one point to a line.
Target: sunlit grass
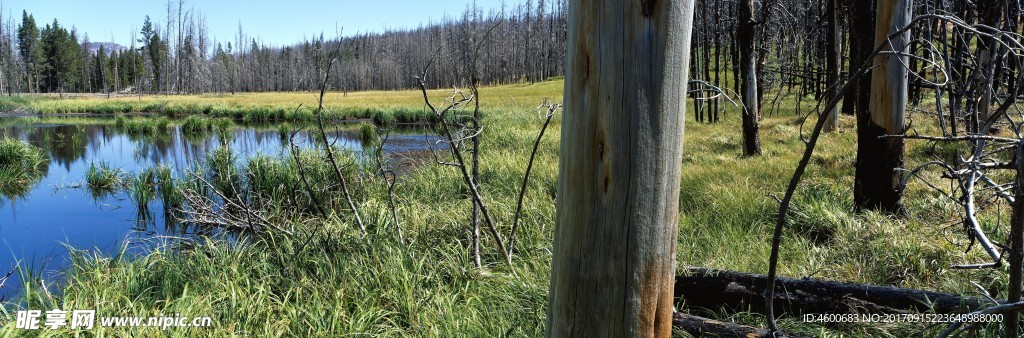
102 180
383 107
21 166
329 281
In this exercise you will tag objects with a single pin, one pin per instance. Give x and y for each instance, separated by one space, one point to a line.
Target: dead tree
876 185
613 260
745 34
991 12
834 59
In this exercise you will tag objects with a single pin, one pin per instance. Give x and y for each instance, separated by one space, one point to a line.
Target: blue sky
274 22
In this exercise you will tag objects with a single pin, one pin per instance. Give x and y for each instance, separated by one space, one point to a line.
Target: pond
38 226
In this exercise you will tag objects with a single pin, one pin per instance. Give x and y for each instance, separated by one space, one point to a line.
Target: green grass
198 125
368 133
21 166
195 125
168 189
383 107
143 126
328 281
101 179
142 190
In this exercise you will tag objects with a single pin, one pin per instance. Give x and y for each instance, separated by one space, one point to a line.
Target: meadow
384 107
327 280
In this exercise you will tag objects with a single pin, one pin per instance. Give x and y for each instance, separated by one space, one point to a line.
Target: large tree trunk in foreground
613 263
877 182
748 73
713 289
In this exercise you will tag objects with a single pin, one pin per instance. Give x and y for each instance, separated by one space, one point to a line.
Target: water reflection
58 209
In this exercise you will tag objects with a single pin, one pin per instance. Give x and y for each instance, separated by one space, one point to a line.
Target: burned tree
834 59
618 191
877 181
745 35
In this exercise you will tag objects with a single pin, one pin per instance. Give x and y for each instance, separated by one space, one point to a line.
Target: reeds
102 180
21 166
142 126
196 125
368 134
142 190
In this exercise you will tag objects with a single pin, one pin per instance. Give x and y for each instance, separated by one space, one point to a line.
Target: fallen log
704 327
713 289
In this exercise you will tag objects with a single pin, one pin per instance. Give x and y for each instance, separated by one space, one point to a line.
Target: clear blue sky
275 22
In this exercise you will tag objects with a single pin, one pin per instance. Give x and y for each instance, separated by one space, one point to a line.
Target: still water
59 213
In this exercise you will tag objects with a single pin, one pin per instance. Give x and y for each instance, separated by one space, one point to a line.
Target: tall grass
368 134
101 179
326 280
21 166
198 125
142 190
143 126
383 107
168 189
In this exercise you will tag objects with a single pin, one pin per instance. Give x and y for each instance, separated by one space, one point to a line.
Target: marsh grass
368 134
21 166
328 281
195 125
143 126
169 189
103 180
383 107
142 190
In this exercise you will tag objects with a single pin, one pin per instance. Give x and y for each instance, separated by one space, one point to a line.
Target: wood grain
621 149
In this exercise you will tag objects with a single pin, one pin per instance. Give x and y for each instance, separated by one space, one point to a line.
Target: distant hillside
108 46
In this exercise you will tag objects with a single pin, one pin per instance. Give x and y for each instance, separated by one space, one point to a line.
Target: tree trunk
861 23
748 78
877 182
703 288
833 60
991 13
613 262
1016 240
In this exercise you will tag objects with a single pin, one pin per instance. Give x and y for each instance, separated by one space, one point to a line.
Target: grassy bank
328 281
381 106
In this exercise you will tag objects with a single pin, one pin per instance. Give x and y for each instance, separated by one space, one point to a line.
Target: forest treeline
515 43
796 45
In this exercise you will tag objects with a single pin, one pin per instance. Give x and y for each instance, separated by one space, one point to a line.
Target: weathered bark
991 14
713 289
613 263
1016 241
833 60
861 24
877 181
704 327
748 77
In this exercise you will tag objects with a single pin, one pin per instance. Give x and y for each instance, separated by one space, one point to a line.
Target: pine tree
154 47
30 49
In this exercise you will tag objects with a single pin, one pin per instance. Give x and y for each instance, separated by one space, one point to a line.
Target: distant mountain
107 46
